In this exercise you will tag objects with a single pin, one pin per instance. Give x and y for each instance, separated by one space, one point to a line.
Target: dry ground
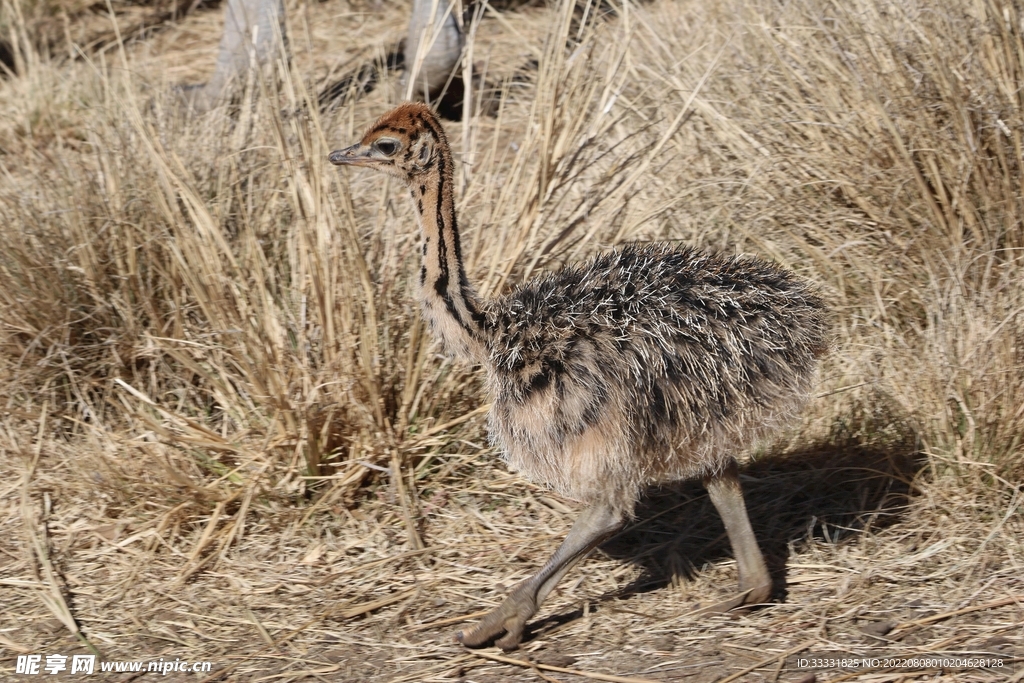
227 438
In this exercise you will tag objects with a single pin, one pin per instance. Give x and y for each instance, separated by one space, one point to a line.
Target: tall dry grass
209 312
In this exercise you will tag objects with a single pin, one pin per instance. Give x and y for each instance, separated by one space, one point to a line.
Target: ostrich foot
509 618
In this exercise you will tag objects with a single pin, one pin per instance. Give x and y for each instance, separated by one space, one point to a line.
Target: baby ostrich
644 365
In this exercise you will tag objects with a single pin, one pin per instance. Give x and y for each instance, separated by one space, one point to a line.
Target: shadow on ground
830 490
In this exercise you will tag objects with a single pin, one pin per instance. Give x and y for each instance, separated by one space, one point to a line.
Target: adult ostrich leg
433 48
254 35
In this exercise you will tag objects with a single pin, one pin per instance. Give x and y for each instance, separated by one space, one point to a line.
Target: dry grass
227 436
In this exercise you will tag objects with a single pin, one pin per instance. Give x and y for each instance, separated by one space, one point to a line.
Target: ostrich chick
644 365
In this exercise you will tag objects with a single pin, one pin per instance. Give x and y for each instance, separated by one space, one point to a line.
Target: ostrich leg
433 48
254 34
593 526
727 495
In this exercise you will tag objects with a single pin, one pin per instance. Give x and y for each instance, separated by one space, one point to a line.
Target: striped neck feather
448 300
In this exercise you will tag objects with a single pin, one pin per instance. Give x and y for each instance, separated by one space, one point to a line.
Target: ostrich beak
356 155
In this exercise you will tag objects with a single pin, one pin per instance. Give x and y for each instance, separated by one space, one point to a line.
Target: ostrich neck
448 300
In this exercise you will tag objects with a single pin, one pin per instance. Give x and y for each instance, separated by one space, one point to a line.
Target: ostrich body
644 365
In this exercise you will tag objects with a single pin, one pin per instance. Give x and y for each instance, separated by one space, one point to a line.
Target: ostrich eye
386 147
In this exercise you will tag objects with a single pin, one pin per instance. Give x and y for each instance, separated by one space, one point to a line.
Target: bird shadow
829 491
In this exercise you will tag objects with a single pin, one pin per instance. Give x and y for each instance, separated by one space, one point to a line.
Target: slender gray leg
429 66
727 495
593 526
254 35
